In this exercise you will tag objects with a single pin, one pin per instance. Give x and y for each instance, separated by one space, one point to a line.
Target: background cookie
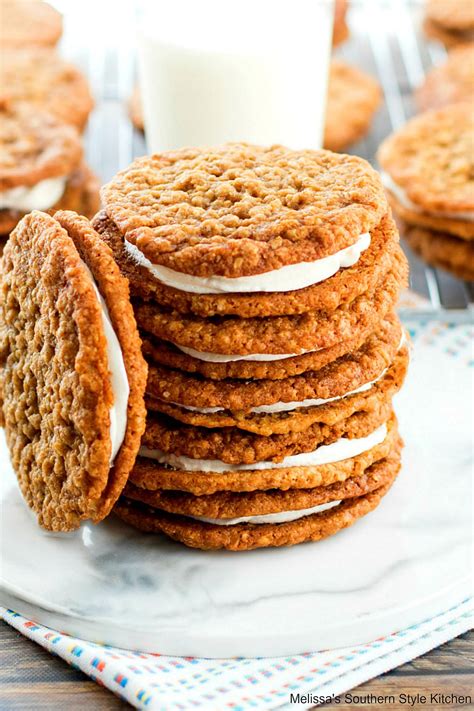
430 159
40 77
353 98
41 166
442 250
27 23
449 82
34 146
59 369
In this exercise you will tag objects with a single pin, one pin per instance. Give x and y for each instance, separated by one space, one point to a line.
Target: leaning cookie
72 373
29 23
41 166
450 82
353 99
40 77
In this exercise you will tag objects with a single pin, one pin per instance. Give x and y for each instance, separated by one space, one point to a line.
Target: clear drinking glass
213 71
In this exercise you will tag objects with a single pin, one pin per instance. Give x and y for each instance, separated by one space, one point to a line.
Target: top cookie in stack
265 282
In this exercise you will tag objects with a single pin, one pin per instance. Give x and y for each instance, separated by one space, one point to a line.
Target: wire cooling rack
386 40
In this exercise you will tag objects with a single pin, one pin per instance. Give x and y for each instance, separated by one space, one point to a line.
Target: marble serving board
408 560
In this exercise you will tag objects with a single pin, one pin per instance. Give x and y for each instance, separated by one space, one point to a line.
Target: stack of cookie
429 176
450 21
264 283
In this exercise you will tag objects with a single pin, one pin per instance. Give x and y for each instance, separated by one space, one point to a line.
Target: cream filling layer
280 517
118 377
41 196
404 200
287 406
288 278
294 405
343 448
221 358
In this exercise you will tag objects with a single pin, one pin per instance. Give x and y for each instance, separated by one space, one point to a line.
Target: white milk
250 70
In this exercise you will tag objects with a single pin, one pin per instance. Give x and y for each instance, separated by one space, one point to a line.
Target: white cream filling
287 406
221 358
280 517
293 405
118 378
343 448
288 278
41 196
404 200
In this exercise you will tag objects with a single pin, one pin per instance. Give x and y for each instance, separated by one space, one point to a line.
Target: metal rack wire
386 41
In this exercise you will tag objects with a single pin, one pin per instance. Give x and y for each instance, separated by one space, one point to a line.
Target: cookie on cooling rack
41 166
40 77
72 375
353 99
429 177
450 22
450 82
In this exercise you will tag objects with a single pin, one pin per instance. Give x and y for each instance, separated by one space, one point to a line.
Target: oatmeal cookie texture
269 406
68 338
429 169
449 82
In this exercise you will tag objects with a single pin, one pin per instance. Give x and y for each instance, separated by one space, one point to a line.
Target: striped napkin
162 683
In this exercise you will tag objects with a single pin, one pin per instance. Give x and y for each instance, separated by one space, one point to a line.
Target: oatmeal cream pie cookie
72 375
41 166
327 295
29 23
273 338
429 176
450 82
451 22
245 219
355 381
40 77
272 516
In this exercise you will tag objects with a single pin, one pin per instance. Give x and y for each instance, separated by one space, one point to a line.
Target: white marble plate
406 561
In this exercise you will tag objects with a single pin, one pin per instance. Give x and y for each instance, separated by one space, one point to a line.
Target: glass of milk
213 71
